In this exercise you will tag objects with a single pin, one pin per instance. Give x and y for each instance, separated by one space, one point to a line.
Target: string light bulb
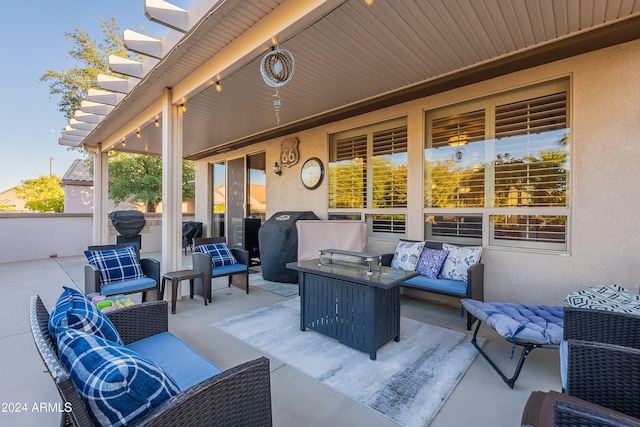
123 142
218 87
138 134
157 123
183 108
368 2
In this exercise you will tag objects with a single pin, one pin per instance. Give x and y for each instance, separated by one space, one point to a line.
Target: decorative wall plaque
289 154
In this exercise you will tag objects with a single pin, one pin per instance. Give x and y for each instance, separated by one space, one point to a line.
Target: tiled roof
78 174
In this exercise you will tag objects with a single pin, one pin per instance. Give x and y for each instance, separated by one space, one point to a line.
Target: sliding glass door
239 191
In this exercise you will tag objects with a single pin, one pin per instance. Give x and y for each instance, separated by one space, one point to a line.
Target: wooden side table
176 277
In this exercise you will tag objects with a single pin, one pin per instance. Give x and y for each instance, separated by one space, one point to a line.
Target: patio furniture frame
150 268
603 379
555 409
203 263
237 396
526 349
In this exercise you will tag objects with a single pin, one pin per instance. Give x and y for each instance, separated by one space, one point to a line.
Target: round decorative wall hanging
277 69
312 173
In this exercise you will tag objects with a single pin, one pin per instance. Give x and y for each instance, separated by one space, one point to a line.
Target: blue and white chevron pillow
115 265
117 384
220 254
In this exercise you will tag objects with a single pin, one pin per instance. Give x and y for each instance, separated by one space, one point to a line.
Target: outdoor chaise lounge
528 326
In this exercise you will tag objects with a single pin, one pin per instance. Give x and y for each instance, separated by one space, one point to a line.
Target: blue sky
32 41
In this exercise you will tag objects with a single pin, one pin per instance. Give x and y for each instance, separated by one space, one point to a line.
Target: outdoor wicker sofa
238 396
603 379
472 287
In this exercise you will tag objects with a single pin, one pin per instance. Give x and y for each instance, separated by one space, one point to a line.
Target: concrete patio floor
481 397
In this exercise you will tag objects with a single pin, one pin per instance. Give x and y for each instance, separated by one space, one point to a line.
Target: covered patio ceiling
350 58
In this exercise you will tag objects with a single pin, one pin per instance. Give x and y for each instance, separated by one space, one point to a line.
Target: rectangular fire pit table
357 307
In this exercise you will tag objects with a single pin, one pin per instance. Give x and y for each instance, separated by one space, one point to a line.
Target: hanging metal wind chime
277 68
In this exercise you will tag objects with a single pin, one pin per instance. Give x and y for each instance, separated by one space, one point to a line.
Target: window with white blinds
386 224
454 163
531 152
504 160
536 231
454 228
389 164
368 173
348 173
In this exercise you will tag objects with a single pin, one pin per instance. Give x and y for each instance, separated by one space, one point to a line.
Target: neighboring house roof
12 202
78 174
258 194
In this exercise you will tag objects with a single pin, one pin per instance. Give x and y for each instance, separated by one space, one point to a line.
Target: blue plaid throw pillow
220 254
117 384
74 311
115 265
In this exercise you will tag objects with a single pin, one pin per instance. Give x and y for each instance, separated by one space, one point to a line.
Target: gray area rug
408 383
282 289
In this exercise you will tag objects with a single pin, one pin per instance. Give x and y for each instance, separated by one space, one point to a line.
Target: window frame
367 211
488 211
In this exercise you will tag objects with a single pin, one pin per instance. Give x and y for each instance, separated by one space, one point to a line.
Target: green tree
43 194
139 178
92 58
135 176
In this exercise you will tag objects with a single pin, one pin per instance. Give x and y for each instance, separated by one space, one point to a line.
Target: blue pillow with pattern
220 254
430 262
115 265
74 311
117 384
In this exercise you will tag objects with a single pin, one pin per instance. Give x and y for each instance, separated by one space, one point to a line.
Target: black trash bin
190 230
250 229
278 241
128 224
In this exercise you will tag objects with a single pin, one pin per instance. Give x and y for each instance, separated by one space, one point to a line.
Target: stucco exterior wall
604 189
27 236
78 199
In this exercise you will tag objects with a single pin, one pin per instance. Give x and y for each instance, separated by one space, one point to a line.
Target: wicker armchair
238 396
603 373
150 268
238 274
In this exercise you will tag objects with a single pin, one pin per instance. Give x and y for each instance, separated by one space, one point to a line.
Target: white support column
100 196
171 185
